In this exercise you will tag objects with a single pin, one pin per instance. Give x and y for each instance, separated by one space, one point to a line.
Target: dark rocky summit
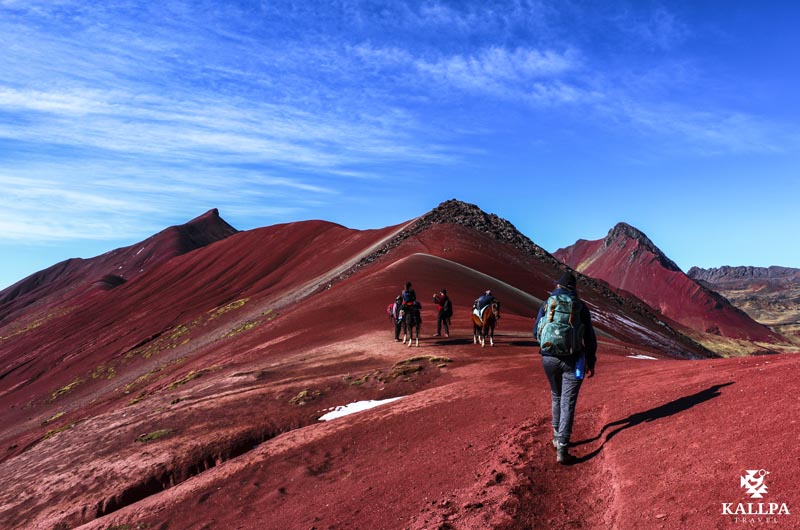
623 233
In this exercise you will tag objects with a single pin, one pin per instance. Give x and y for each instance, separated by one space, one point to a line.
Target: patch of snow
352 408
140 251
643 357
616 321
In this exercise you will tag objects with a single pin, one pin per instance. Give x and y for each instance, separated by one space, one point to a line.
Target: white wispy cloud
236 131
658 28
48 210
498 70
521 75
115 108
704 132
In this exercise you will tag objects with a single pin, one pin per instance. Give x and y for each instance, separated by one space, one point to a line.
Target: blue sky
120 118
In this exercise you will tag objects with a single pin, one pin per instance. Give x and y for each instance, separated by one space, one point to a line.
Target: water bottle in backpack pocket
580 367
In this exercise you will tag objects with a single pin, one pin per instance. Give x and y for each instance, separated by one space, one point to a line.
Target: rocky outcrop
465 214
770 295
733 275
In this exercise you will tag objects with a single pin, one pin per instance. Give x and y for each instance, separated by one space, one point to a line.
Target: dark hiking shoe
555 438
563 457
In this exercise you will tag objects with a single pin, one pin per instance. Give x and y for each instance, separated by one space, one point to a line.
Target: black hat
567 280
408 284
443 291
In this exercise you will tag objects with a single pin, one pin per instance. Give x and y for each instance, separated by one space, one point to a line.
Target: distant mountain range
127 374
771 295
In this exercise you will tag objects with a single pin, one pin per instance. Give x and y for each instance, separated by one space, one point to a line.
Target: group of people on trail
408 299
567 344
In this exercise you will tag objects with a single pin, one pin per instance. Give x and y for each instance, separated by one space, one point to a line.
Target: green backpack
560 330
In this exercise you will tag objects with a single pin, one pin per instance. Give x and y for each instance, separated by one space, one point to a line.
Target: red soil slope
75 277
628 260
179 307
191 397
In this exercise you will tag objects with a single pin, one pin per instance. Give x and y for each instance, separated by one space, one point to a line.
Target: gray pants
564 391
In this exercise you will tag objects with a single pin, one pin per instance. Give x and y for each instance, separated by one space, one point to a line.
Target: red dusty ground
662 445
221 431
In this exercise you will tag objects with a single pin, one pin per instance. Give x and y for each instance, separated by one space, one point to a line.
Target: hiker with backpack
445 312
569 351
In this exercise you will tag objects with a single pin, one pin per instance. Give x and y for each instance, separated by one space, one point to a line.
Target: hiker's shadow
662 411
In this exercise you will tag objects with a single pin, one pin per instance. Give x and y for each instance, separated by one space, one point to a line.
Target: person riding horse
484 318
483 300
408 294
411 314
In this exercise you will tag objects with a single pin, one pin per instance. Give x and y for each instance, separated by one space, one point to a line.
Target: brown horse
484 327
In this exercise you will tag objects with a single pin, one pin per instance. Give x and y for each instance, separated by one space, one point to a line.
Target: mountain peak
210 215
470 215
203 230
623 232
465 214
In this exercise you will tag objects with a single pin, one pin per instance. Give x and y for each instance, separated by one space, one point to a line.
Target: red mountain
628 260
189 396
76 277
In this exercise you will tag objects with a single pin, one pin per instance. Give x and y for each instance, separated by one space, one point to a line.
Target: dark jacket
589 338
484 300
440 301
409 296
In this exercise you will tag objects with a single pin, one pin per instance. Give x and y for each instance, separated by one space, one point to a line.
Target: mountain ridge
75 277
770 295
735 273
628 260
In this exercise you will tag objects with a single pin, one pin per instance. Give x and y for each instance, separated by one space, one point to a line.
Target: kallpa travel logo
754 483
